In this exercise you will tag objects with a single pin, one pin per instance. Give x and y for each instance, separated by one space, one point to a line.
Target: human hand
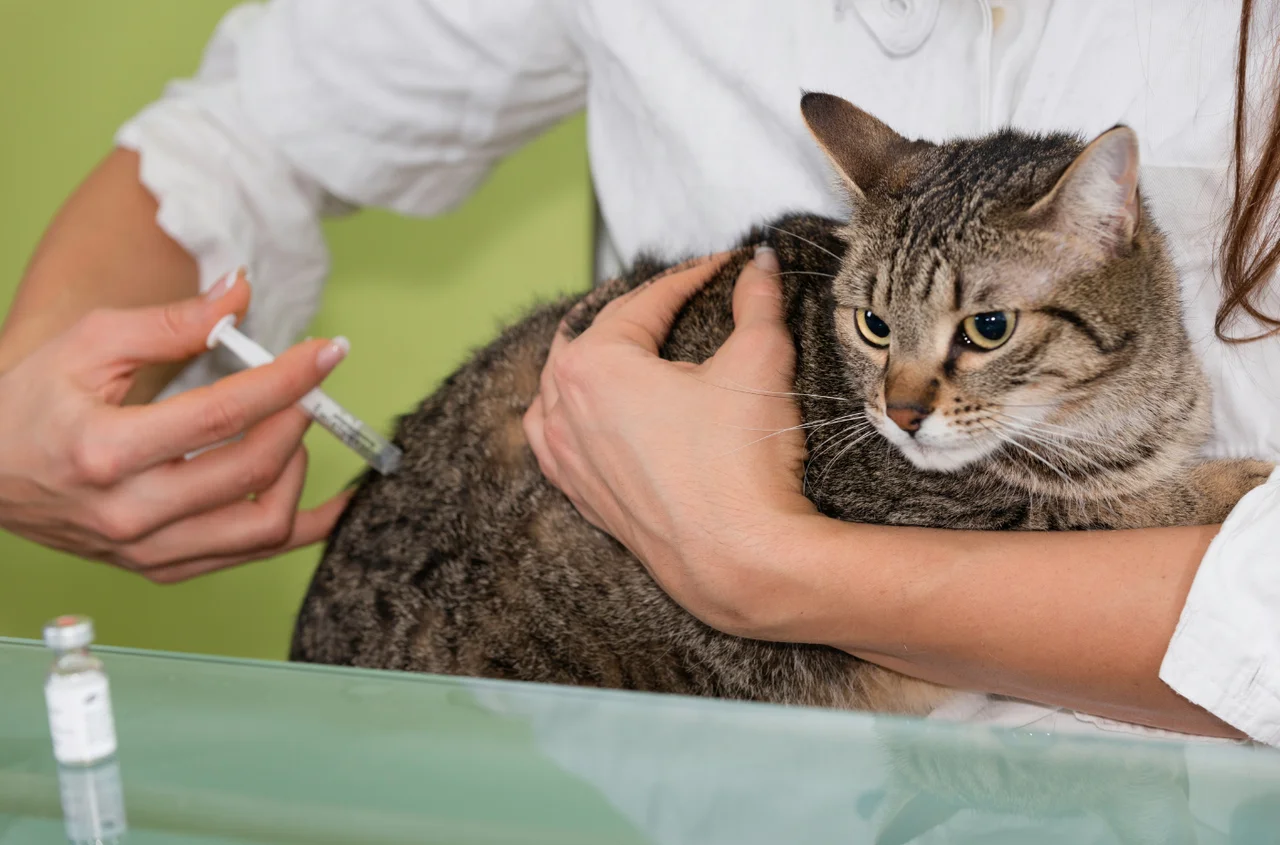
80 473
696 469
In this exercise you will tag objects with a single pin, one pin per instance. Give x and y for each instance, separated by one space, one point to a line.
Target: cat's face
949 353
977 304
960 347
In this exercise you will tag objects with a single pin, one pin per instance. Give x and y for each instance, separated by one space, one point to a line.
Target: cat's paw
1223 483
1239 477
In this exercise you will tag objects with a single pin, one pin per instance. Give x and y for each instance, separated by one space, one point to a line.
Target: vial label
80 717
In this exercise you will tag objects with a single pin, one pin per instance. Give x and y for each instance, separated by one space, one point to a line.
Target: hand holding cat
81 473
694 468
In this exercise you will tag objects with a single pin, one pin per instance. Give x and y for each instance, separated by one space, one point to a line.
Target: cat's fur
467 561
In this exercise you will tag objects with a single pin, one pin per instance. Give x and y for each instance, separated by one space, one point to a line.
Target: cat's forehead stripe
917 280
948 205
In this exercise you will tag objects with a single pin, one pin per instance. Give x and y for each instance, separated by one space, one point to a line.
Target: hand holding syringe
359 437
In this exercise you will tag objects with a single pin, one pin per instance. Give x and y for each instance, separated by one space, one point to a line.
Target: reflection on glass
685 773
92 803
1140 793
225 752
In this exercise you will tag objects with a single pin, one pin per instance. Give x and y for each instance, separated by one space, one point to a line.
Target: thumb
760 350
173 332
757 296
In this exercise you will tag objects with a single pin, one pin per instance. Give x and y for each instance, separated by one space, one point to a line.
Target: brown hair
1250 251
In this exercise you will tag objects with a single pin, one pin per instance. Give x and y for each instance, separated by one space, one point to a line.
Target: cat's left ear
1096 198
865 150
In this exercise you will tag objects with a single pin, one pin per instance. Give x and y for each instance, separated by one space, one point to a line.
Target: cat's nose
908 416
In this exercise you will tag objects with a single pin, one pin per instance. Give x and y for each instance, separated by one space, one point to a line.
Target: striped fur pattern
1089 416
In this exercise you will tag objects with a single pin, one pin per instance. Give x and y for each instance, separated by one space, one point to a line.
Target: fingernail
333 353
221 286
766 259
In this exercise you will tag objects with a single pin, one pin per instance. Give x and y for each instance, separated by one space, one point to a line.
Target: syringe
363 440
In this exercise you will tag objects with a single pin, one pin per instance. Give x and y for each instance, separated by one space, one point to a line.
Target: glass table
232 751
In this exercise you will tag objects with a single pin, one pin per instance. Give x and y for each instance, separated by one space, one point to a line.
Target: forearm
1080 619
103 249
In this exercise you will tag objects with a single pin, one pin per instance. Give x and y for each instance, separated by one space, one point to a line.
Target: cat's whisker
1002 436
1043 405
1054 431
840 438
805 240
1053 441
805 273
836 458
813 424
1066 450
1057 431
1068 453
780 394
776 432
846 439
857 427
1044 423
836 441
1062 448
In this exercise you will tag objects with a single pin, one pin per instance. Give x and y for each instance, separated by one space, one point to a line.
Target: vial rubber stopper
68 632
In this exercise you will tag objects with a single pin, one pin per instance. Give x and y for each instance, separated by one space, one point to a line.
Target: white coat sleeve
302 108
1225 652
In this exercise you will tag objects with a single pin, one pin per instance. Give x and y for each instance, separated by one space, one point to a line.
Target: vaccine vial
77 695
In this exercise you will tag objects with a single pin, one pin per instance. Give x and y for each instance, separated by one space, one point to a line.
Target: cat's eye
873 330
990 329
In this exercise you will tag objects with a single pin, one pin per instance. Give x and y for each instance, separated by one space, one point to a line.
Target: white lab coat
304 107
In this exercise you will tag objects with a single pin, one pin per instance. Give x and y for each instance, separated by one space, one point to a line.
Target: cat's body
469 562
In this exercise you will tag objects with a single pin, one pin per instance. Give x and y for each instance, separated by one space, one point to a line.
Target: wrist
814 591
857 587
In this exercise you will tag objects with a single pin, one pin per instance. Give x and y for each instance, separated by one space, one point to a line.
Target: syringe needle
377 451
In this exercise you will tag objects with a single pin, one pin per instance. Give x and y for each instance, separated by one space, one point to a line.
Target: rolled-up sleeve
302 108
1225 652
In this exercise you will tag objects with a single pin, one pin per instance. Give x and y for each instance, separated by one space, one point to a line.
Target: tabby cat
998 327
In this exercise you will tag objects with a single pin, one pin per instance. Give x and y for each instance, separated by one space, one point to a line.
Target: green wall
412 295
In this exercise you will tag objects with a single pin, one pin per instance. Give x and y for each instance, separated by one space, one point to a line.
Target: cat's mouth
936 446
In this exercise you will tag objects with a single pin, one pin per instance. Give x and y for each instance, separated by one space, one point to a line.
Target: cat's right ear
1096 198
863 149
